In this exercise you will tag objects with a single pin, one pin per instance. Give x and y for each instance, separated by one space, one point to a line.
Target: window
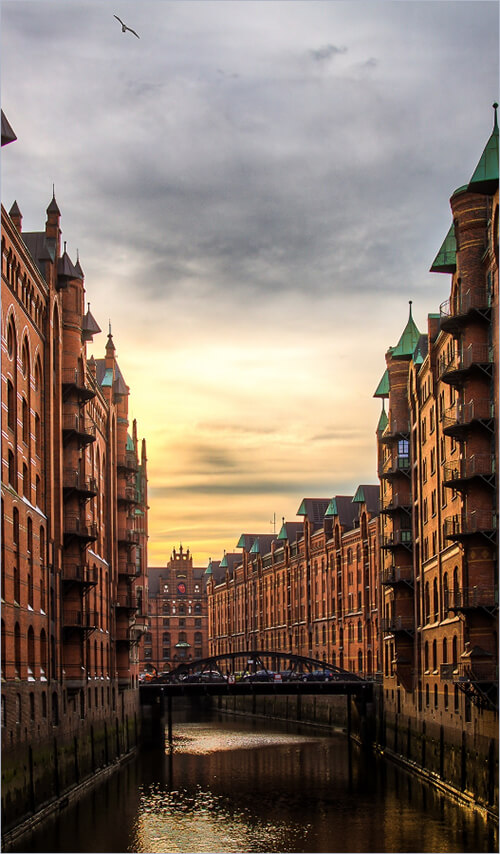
11 406
26 482
12 470
11 340
25 421
433 460
38 436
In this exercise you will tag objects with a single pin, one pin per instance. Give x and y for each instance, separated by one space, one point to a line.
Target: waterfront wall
463 764
37 774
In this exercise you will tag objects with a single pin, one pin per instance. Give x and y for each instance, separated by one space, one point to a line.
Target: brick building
438 458
311 590
74 519
177 620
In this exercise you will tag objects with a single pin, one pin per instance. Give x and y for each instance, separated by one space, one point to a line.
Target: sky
255 190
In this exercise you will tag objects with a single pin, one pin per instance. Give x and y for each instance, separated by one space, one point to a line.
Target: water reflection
237 786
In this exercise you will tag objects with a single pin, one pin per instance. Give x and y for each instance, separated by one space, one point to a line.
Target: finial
65 246
77 256
53 191
410 303
495 107
109 333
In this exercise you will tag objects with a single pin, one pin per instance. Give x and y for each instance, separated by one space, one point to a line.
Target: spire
409 338
446 259
485 176
8 134
383 420
110 347
53 208
79 269
16 216
383 387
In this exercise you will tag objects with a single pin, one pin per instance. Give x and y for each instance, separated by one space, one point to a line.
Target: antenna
273 523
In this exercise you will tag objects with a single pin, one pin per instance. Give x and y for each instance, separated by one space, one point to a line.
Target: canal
239 785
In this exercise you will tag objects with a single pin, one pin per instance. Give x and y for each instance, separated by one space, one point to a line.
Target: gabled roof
382 421
383 387
262 544
246 541
485 176
341 506
8 134
290 531
90 327
40 247
368 494
408 341
314 509
446 259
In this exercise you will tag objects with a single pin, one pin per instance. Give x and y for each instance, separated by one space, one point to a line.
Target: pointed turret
485 176
8 134
383 420
78 270
383 388
446 259
408 341
90 327
52 224
16 216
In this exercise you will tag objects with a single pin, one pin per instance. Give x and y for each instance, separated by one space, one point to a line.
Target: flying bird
124 27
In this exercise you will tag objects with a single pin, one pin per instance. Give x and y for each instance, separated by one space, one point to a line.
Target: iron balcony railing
477 672
400 537
74 377
73 524
471 597
80 573
127 567
478 465
127 535
78 423
73 479
464 524
397 426
477 299
396 501
80 619
127 492
475 354
126 600
398 624
128 460
394 465
462 414
396 574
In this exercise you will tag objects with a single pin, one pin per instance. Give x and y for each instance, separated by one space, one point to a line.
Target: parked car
319 676
259 676
291 675
205 676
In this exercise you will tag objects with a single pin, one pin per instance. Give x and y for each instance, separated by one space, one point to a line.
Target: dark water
238 785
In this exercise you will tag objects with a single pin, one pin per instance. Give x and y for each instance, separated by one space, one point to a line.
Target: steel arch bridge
250 661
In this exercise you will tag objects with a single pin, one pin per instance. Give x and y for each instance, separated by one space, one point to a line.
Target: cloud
326 53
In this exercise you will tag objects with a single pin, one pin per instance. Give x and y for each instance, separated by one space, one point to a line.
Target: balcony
125 634
128 536
464 525
478 681
127 461
458 419
126 601
127 493
396 429
475 358
457 474
395 502
74 481
471 599
473 303
395 465
128 568
79 425
400 537
86 621
80 574
393 625
79 528
73 380
393 575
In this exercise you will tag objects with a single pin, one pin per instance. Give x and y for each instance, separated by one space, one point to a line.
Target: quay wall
40 772
462 764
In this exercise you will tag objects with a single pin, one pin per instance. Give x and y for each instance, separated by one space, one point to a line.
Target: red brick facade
177 626
74 502
312 590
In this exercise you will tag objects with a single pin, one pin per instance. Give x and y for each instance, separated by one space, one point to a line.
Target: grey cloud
327 52
244 486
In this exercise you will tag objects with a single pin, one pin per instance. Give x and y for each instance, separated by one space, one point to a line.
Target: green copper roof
408 341
107 379
302 509
255 548
383 389
446 259
359 498
130 444
417 357
382 421
209 570
485 177
283 534
331 510
223 561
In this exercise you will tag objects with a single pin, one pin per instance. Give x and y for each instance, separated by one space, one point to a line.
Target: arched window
454 650
360 662
11 406
31 654
435 696
25 420
445 651
427 603
198 638
12 470
25 363
436 600
426 655
26 482
11 340
446 593
43 656
17 649
434 654
360 631
445 696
